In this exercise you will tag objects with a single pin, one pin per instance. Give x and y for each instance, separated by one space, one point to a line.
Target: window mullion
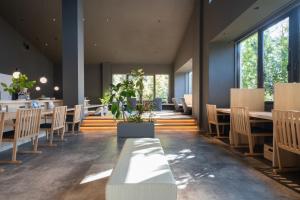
260 60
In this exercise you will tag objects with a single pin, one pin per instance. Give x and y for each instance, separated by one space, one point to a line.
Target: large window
248 62
263 56
148 92
154 85
275 56
162 86
117 78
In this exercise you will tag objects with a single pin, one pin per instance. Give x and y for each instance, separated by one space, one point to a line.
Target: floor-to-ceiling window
118 78
264 56
248 61
162 86
275 56
157 85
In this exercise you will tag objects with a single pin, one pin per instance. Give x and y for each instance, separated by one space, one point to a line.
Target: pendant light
16 74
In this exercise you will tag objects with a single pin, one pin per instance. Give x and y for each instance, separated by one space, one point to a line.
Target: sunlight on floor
97 176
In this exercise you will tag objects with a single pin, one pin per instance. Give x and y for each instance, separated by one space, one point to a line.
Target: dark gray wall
93 83
179 85
189 49
221 73
31 62
215 18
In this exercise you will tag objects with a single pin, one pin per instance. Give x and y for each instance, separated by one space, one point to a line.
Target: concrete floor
79 168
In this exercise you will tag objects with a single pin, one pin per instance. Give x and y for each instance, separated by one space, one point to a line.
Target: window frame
154 82
294 46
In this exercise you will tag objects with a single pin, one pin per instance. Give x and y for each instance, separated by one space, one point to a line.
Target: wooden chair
57 124
241 125
287 134
75 118
213 119
27 126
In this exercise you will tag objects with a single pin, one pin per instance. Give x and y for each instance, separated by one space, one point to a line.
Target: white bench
142 173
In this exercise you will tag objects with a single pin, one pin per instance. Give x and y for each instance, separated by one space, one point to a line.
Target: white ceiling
118 31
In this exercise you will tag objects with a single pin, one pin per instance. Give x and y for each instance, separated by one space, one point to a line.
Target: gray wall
179 85
189 49
30 62
221 73
93 82
216 17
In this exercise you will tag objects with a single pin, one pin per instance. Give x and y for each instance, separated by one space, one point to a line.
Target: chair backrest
1 125
27 123
188 99
211 113
184 105
175 104
77 113
287 129
240 122
59 117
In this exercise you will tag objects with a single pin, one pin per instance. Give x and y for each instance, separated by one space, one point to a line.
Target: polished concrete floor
79 169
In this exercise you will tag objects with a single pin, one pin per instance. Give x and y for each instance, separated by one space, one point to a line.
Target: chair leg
251 149
62 134
218 130
278 158
14 155
73 128
209 127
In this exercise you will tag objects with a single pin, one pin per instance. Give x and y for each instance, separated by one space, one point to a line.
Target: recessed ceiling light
53 19
46 44
210 1
83 19
95 44
108 19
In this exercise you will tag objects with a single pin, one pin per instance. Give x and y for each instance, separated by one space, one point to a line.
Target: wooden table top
255 114
12 115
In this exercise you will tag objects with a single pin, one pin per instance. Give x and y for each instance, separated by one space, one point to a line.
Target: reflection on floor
80 167
164 121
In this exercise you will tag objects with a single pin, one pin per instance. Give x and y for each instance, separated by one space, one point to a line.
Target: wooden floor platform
164 121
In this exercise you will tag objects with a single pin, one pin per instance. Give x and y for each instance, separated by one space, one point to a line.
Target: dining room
137 99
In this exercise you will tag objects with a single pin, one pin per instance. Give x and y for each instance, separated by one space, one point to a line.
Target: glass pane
276 56
162 86
118 78
248 62
148 92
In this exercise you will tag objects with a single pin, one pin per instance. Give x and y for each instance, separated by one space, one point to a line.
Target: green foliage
121 93
106 98
275 58
18 84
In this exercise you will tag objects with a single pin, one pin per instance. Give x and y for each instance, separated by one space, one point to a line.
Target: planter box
135 130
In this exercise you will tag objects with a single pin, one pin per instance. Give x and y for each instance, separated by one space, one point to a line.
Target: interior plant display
132 124
19 86
121 93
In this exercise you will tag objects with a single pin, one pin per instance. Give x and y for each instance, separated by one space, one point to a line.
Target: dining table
12 115
290 159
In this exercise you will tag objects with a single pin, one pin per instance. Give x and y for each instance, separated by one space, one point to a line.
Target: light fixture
16 74
56 88
37 88
43 80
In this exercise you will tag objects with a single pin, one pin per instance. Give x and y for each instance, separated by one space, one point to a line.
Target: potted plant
132 123
105 101
19 86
